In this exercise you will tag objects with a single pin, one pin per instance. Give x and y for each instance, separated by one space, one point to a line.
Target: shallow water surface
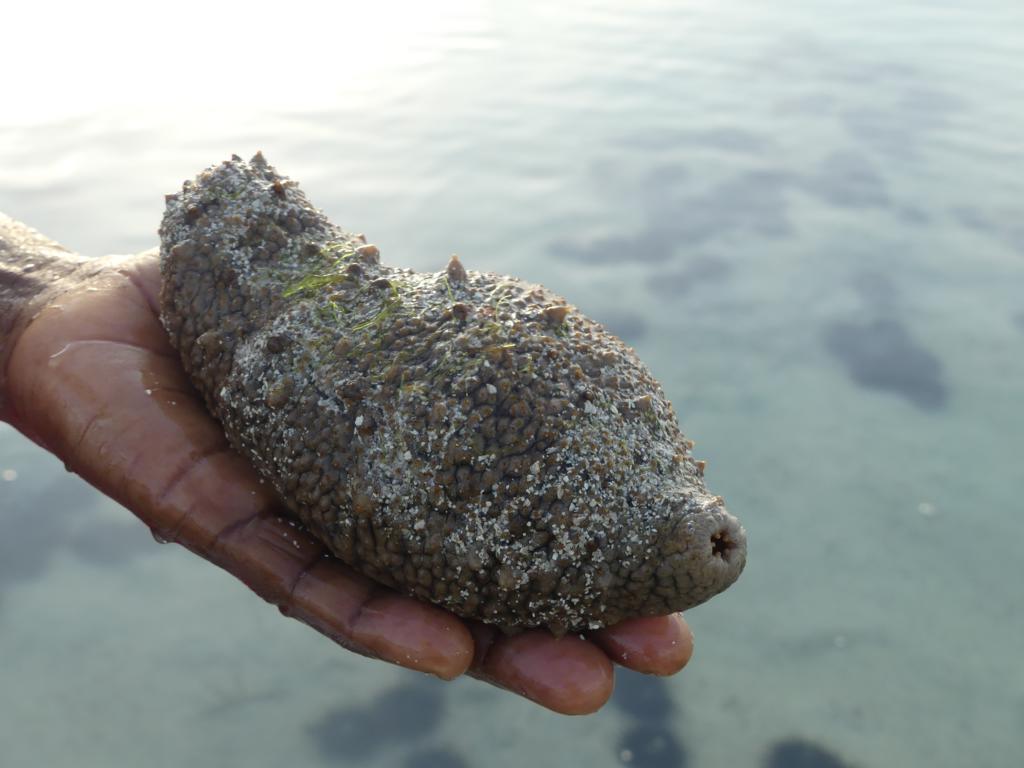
806 217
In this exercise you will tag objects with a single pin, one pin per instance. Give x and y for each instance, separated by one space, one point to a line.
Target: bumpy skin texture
463 437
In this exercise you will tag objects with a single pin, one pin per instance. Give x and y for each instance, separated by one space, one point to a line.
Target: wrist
33 269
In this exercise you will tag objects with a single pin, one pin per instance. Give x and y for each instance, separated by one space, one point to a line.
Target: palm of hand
94 380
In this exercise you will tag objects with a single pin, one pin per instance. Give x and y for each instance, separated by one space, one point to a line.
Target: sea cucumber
464 437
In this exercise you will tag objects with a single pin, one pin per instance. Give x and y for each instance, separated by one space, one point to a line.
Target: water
807 218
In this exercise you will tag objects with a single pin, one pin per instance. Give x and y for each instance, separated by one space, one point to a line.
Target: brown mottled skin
463 437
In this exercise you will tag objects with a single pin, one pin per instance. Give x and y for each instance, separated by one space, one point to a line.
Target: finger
568 674
144 272
286 565
656 645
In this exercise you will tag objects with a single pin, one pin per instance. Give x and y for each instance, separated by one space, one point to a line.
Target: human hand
93 379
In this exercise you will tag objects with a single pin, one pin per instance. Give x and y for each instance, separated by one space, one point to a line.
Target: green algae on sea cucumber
464 437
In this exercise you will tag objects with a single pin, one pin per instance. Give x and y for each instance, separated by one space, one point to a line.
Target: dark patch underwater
408 713
439 757
37 526
798 753
646 746
881 354
642 697
650 741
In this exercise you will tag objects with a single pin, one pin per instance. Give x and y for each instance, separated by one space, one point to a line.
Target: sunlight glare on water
284 56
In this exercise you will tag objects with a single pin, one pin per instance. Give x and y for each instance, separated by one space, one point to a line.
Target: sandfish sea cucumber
464 437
